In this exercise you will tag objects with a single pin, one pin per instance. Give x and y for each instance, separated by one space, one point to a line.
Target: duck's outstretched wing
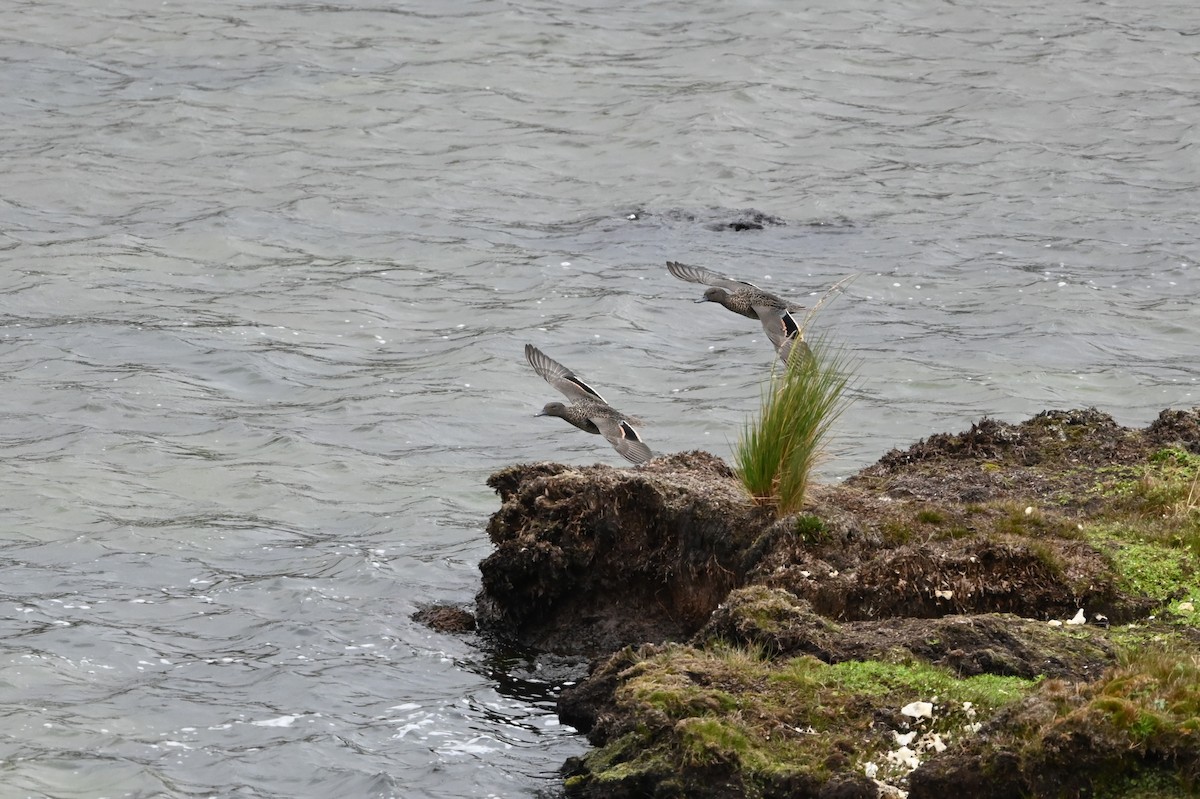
695 274
625 440
560 376
779 324
784 331
785 349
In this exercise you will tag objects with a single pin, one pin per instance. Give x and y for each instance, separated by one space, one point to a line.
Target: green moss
1132 732
874 678
759 610
614 758
1148 705
996 520
708 740
680 699
1151 568
726 706
624 758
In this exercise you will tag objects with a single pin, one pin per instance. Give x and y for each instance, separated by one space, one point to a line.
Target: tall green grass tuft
777 451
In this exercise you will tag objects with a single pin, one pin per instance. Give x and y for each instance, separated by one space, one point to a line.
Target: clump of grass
777 452
811 530
930 516
896 533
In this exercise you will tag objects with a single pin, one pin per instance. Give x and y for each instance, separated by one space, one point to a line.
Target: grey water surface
267 269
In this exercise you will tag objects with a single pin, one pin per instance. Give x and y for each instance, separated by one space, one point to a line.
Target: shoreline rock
999 579
591 559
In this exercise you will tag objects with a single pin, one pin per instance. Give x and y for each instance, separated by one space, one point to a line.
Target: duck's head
553 409
714 294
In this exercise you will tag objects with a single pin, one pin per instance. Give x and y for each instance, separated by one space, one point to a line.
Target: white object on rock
905 739
870 769
887 791
905 758
932 741
918 710
1080 618
1054 623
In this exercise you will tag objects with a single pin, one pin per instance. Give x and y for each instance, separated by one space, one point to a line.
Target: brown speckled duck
748 300
588 410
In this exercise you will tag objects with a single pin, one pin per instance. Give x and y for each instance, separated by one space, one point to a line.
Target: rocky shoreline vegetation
1008 611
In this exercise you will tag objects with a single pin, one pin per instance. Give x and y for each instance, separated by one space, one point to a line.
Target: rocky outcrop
737 654
784 625
591 559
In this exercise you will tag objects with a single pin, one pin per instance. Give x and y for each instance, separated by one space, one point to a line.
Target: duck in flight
749 300
587 410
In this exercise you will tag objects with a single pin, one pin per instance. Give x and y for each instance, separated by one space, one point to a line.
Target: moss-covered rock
1009 611
1137 726
727 721
781 624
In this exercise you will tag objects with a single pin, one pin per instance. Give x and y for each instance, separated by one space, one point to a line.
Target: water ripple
269 270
